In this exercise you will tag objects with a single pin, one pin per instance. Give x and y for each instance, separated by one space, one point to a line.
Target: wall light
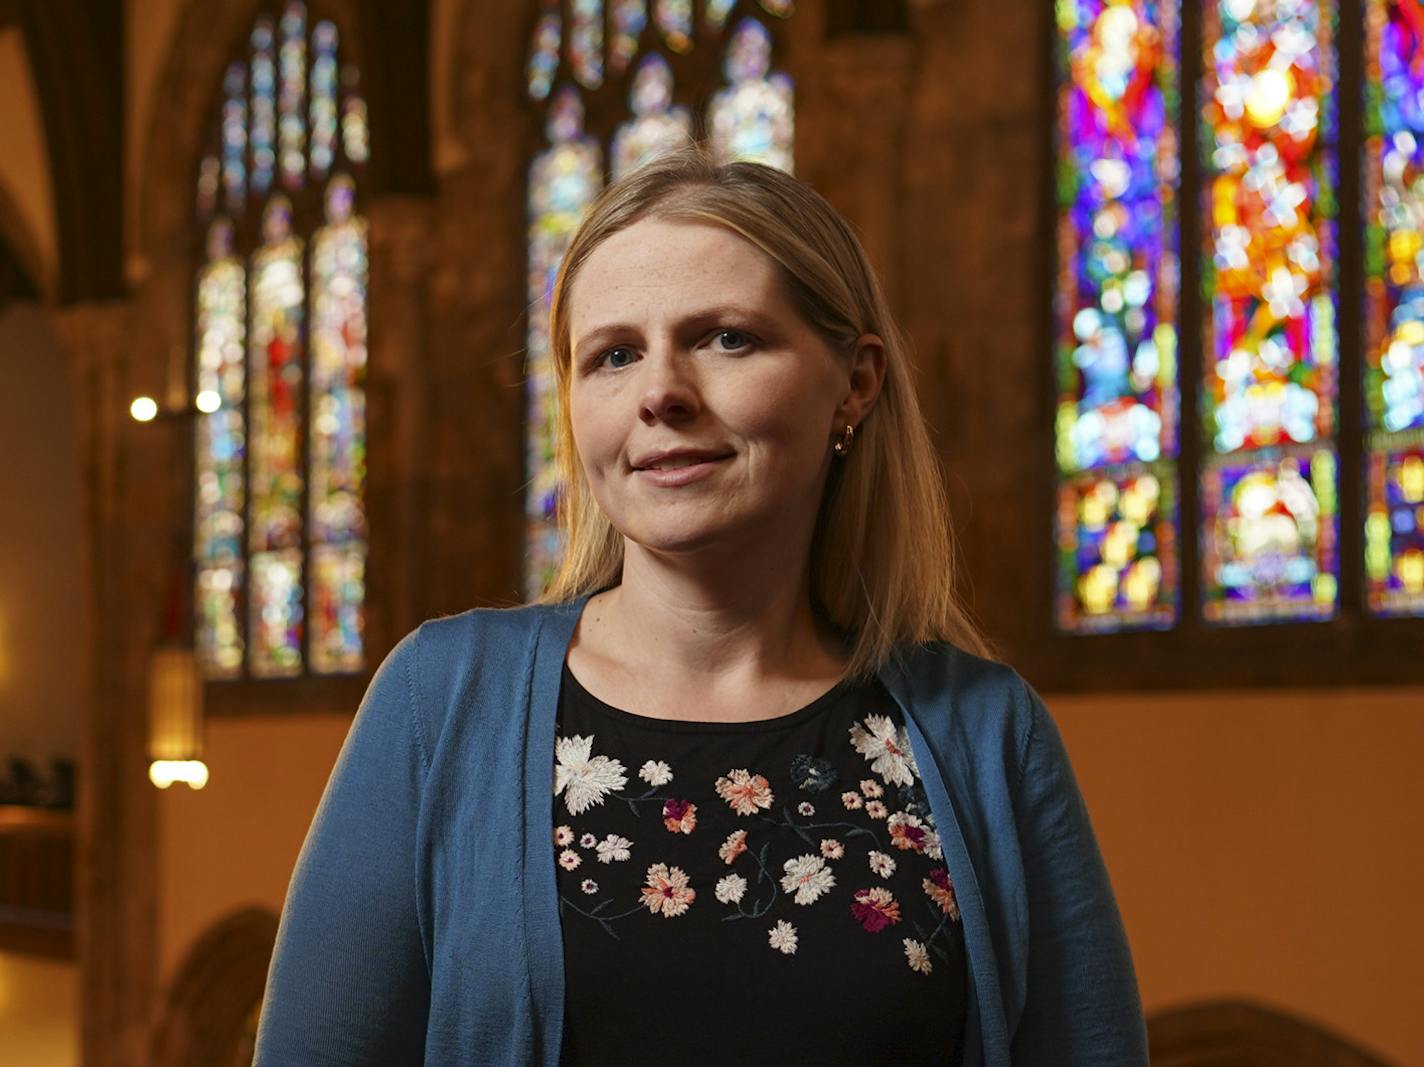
175 722
144 409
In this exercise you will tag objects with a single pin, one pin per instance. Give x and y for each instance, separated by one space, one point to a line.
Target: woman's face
685 340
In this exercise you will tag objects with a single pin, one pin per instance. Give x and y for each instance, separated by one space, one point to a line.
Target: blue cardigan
422 923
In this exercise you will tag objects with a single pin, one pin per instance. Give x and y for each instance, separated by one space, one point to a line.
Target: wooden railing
37 881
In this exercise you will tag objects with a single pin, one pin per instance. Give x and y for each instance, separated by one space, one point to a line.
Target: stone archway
210 1013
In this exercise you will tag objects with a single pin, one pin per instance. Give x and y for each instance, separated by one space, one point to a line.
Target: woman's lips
671 477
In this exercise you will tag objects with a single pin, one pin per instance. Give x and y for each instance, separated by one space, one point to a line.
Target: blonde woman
744 785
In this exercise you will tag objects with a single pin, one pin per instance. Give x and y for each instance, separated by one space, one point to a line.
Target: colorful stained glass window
1394 306
279 365
1269 339
1116 315
753 118
656 125
780 8
586 42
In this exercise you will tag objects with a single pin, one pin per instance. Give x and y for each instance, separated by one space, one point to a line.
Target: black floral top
768 892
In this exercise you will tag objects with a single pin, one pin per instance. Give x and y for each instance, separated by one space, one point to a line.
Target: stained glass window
1116 343
279 364
1269 516
1394 306
734 97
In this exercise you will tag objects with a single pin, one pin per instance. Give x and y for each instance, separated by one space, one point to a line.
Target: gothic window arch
1239 317
279 358
610 85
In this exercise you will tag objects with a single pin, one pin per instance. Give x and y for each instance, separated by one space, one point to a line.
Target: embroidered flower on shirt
875 909
730 889
655 773
832 849
734 846
563 836
917 956
876 810
907 832
569 859
887 747
614 849
745 792
812 774
583 778
871 788
588 885
941 891
806 809
882 864
807 877
587 841
852 801
667 892
680 816
782 937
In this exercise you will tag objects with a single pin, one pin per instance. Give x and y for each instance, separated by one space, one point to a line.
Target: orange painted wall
1266 845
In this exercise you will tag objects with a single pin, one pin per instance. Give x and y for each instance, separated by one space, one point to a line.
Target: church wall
148 28
1264 845
25 179
44 622
39 1011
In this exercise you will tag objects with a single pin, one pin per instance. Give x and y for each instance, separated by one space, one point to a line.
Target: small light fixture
175 723
208 401
144 409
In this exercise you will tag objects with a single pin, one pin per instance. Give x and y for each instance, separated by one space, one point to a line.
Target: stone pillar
128 474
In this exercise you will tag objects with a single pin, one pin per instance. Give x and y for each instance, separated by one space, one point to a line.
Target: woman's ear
867 376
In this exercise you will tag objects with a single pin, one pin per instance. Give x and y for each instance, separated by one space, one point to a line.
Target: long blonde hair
882 556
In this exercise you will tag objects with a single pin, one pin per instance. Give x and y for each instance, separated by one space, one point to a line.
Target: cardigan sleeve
1081 1001
349 982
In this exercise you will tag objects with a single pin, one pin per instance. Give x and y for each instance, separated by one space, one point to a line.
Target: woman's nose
669 391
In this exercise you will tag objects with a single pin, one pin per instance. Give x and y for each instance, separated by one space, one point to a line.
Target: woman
742 787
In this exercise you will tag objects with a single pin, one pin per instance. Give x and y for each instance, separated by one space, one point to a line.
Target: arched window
705 70
1240 420
279 541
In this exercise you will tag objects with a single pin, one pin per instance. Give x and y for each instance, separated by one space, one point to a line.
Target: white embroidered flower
730 889
882 864
876 810
806 809
832 849
614 849
871 788
887 748
583 778
852 801
655 773
933 849
782 937
807 877
917 956
587 841
563 836
569 859
588 885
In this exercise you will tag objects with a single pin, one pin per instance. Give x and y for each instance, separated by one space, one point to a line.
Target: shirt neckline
791 719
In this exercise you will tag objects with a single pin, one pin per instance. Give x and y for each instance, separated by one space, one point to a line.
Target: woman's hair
882 555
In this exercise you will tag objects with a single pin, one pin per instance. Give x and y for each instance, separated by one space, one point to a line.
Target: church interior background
271 287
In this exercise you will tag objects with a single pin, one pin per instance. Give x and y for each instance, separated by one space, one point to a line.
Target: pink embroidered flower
588 885
832 849
887 747
882 864
907 832
875 909
563 836
587 841
734 846
941 891
876 810
871 788
917 956
667 892
807 877
852 801
680 816
805 809
782 937
569 859
745 792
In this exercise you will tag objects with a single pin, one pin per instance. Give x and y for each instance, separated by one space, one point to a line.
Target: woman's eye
732 340
614 356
